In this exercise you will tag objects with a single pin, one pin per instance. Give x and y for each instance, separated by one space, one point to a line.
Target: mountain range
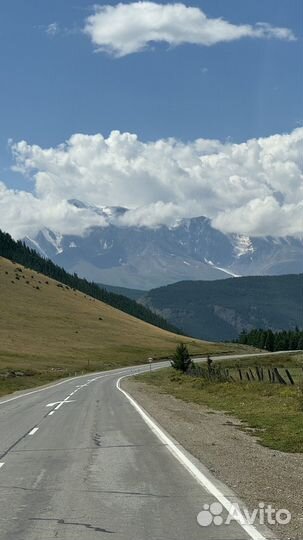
140 257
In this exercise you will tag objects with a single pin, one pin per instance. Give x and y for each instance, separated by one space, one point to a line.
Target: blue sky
54 86
213 98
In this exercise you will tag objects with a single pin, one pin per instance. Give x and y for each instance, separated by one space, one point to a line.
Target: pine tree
181 359
300 342
270 341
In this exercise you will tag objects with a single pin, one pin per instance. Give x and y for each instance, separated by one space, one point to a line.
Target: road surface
79 462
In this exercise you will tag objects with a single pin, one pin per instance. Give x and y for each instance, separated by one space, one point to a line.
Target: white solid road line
33 431
205 482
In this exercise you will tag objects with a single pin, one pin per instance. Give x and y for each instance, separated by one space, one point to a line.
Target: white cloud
52 29
262 217
22 213
255 187
130 28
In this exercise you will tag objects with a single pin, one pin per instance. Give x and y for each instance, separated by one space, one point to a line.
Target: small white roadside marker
1 465
33 431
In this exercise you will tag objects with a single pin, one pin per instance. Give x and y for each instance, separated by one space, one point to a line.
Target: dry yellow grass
52 330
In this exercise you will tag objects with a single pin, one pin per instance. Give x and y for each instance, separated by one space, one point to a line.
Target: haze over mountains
145 258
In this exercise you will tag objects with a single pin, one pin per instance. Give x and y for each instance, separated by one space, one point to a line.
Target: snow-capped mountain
144 258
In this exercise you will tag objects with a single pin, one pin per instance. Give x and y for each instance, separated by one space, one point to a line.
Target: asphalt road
79 462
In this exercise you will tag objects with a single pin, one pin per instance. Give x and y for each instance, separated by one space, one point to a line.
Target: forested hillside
18 252
290 340
220 310
134 294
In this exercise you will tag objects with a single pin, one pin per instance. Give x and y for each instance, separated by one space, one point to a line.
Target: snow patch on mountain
54 238
232 274
243 245
30 242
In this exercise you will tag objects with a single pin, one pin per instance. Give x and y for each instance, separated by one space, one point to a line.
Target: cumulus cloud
130 28
24 214
255 187
263 217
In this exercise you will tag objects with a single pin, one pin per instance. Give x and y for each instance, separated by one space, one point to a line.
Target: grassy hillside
18 252
48 330
219 310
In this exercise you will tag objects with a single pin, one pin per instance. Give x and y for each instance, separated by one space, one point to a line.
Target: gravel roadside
257 474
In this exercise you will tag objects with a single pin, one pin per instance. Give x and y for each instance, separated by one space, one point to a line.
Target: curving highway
79 460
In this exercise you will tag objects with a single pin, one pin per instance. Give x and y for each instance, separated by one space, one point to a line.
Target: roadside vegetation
49 330
269 409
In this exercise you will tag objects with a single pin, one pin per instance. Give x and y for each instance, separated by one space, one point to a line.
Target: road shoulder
257 474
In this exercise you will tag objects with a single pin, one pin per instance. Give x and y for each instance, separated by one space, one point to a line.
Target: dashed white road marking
60 402
33 431
67 399
39 478
66 381
201 478
1 465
